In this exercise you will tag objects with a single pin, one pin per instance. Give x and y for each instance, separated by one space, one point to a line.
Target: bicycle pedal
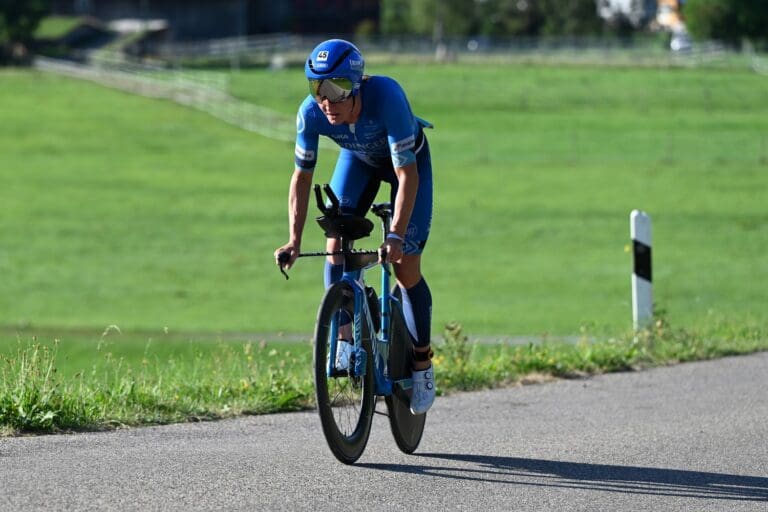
404 384
403 389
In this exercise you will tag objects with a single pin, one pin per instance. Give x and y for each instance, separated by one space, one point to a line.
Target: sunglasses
335 90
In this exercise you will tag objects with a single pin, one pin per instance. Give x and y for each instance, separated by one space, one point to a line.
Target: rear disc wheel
407 428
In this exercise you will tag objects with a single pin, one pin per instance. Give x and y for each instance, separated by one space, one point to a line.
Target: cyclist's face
337 113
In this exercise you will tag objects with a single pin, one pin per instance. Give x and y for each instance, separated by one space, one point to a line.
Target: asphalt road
688 437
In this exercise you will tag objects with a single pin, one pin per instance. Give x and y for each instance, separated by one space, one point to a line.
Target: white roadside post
642 295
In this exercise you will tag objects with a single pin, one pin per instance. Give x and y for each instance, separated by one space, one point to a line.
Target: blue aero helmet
334 70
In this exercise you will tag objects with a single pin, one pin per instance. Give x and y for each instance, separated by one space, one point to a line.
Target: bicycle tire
407 428
345 403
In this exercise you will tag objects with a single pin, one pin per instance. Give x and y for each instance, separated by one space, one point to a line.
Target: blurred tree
395 17
365 28
570 17
509 18
18 22
441 17
436 18
490 17
730 21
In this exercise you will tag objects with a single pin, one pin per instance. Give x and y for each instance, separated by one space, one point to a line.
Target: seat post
384 212
346 247
346 244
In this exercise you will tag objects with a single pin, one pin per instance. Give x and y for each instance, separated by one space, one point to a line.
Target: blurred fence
205 91
167 70
277 50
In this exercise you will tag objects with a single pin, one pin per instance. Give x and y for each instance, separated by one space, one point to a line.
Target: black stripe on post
642 254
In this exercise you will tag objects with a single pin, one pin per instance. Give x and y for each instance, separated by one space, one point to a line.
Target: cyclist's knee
333 245
408 271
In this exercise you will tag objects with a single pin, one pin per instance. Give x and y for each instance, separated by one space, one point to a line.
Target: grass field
113 380
143 214
538 168
56 26
136 275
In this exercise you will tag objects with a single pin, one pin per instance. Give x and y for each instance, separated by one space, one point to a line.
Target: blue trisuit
385 136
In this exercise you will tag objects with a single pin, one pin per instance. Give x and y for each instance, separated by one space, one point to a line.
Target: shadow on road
599 477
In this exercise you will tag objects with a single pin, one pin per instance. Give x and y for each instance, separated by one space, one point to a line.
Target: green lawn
121 210
52 27
78 353
538 168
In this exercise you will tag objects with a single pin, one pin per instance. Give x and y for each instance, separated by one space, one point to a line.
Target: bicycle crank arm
402 388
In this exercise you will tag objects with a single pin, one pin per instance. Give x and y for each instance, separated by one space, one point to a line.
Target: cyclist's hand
393 249
292 252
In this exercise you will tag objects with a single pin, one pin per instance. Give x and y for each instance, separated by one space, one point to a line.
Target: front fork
380 342
359 356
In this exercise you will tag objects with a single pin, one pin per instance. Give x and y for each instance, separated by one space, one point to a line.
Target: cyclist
370 118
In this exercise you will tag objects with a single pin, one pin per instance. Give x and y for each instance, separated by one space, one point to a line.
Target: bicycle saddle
346 226
337 224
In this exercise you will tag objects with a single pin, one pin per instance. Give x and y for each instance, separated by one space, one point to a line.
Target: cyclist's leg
417 304
417 310
417 299
355 186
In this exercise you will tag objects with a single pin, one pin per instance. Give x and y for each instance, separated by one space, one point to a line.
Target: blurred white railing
164 77
292 49
205 91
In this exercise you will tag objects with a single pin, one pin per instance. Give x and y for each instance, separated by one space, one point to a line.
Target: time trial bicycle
376 361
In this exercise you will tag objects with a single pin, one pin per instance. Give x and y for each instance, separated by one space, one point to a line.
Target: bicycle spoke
345 402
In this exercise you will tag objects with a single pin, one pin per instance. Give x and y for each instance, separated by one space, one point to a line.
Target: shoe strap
423 356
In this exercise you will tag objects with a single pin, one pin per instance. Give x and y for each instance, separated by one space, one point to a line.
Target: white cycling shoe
423 390
343 353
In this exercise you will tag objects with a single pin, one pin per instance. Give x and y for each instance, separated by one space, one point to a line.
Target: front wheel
345 401
407 428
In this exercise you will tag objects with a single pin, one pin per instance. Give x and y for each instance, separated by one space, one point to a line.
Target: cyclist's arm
307 140
408 179
401 138
298 204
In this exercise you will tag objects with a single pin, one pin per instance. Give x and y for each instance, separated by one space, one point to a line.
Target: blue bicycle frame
345 390
380 342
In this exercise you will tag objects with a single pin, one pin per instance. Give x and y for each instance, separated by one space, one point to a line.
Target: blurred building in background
208 19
